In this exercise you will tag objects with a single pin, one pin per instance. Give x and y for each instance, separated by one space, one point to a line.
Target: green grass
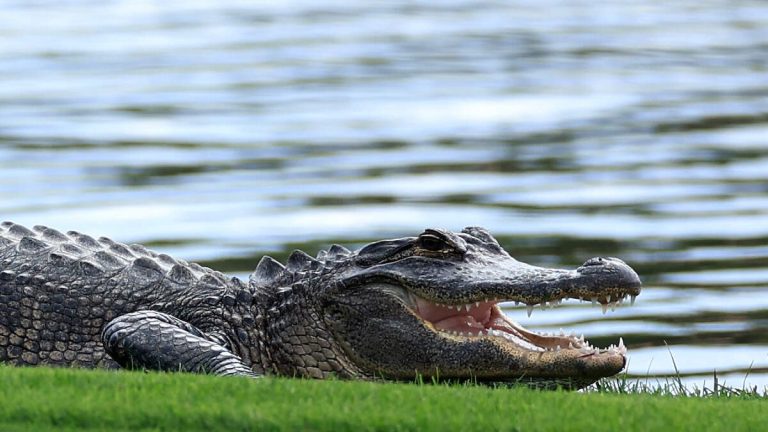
64 399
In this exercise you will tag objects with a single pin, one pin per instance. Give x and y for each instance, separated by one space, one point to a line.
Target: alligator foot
157 341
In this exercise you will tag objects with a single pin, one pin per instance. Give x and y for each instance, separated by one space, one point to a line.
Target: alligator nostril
594 262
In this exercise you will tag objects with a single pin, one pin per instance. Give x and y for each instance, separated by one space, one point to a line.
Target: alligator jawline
486 320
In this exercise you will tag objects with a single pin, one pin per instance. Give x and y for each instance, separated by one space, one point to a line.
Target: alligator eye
431 243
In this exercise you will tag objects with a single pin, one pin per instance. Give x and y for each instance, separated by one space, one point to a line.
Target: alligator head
428 306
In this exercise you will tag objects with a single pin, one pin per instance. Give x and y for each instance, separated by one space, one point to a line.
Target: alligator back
57 291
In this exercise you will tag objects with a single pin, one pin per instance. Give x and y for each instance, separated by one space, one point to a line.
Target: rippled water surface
222 131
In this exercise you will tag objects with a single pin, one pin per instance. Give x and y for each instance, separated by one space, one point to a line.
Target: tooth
477 304
613 306
529 309
605 308
557 348
621 343
570 345
632 300
594 301
562 333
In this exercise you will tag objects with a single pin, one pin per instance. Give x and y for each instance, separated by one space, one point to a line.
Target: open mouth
485 319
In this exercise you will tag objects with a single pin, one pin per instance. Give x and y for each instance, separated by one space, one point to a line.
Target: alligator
402 309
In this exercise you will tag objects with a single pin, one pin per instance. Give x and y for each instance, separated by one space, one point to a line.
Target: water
222 131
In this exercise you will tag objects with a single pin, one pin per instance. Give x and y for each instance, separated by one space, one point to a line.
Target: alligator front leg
157 341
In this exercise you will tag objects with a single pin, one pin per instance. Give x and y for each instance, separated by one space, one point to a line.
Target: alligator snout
611 271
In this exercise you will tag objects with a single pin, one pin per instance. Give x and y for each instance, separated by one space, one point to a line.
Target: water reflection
223 131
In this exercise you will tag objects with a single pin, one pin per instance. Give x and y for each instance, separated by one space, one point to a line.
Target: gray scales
395 309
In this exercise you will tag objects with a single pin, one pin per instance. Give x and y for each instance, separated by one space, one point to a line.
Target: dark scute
58 259
90 269
244 297
167 259
20 231
299 260
212 281
140 250
146 268
267 272
337 251
181 274
72 249
51 234
378 251
107 260
31 245
480 233
121 250
86 241
106 242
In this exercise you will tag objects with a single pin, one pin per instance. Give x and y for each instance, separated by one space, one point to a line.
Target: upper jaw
480 279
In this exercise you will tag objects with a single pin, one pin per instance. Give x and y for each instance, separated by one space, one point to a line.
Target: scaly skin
396 309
